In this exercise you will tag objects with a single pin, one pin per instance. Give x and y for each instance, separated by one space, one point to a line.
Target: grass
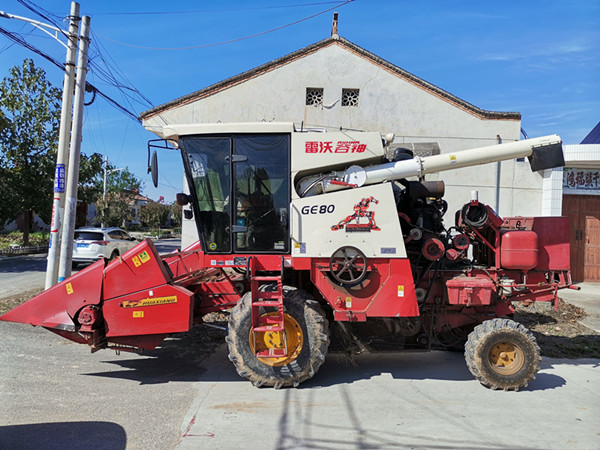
16 238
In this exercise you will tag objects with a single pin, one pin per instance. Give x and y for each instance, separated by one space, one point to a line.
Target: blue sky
538 57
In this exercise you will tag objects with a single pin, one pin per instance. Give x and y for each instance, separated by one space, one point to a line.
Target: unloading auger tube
544 153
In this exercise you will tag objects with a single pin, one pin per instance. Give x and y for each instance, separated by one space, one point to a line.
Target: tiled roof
593 136
237 79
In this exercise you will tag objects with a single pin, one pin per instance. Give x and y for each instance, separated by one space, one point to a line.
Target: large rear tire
307 340
502 354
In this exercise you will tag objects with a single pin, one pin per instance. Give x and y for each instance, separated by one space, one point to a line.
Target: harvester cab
290 231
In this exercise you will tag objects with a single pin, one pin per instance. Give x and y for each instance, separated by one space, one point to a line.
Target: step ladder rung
268 295
268 329
267 278
272 353
270 303
270 320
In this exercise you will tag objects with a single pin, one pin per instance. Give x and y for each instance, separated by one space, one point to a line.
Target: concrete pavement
408 400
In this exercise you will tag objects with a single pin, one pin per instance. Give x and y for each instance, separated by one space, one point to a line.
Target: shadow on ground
64 435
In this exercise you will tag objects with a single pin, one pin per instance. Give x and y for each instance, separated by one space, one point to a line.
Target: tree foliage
114 210
122 180
29 126
30 111
154 214
176 213
121 188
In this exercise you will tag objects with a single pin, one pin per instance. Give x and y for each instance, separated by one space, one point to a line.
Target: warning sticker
69 287
400 291
149 302
453 159
136 261
138 314
144 257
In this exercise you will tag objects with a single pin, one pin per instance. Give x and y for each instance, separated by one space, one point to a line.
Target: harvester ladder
273 299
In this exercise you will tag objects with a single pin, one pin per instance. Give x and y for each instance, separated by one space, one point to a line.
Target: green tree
114 210
122 181
176 213
29 124
154 214
121 188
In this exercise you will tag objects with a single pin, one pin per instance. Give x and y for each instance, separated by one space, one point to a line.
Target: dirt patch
558 333
8 303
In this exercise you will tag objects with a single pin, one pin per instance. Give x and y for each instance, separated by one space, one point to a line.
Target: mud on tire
502 354
315 334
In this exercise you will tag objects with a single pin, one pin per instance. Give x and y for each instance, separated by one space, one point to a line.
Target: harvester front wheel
306 337
502 354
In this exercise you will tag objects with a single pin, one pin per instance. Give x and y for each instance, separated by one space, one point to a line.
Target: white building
335 83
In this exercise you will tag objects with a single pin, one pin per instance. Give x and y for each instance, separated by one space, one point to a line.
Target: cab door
261 174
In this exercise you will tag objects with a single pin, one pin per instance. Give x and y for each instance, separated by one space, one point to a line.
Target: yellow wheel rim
292 337
506 358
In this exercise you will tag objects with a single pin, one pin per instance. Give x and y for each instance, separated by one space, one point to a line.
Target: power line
19 40
89 87
338 5
204 11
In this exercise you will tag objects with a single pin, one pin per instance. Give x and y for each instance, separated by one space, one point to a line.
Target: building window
350 97
314 96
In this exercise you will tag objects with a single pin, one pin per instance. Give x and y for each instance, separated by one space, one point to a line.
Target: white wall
387 103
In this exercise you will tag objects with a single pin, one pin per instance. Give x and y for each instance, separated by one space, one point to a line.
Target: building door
583 212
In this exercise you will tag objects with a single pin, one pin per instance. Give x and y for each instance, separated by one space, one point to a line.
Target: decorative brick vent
350 97
314 96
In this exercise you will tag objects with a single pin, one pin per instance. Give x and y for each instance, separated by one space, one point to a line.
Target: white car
93 243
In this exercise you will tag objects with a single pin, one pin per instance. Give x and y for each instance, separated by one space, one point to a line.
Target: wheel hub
506 358
291 338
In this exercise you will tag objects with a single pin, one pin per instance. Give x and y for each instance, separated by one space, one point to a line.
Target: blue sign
59 178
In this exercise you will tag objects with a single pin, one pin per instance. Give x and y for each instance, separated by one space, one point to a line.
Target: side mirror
182 199
153 169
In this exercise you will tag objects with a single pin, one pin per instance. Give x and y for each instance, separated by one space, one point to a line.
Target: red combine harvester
298 230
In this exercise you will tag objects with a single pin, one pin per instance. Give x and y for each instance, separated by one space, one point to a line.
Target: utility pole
66 245
62 157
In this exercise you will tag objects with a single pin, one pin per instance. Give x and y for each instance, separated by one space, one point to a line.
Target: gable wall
388 103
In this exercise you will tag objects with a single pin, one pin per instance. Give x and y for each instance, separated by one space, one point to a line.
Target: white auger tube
544 153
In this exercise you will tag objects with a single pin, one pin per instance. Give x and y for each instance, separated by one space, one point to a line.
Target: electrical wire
203 11
20 41
230 41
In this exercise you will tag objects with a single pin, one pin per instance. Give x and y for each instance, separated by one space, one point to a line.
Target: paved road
54 394
21 273
409 400
28 272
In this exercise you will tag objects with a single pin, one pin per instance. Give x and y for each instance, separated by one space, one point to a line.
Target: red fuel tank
519 250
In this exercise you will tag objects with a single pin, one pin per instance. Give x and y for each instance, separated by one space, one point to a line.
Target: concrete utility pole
66 245
62 157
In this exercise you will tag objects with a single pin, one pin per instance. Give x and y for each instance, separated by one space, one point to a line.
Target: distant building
581 203
135 205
